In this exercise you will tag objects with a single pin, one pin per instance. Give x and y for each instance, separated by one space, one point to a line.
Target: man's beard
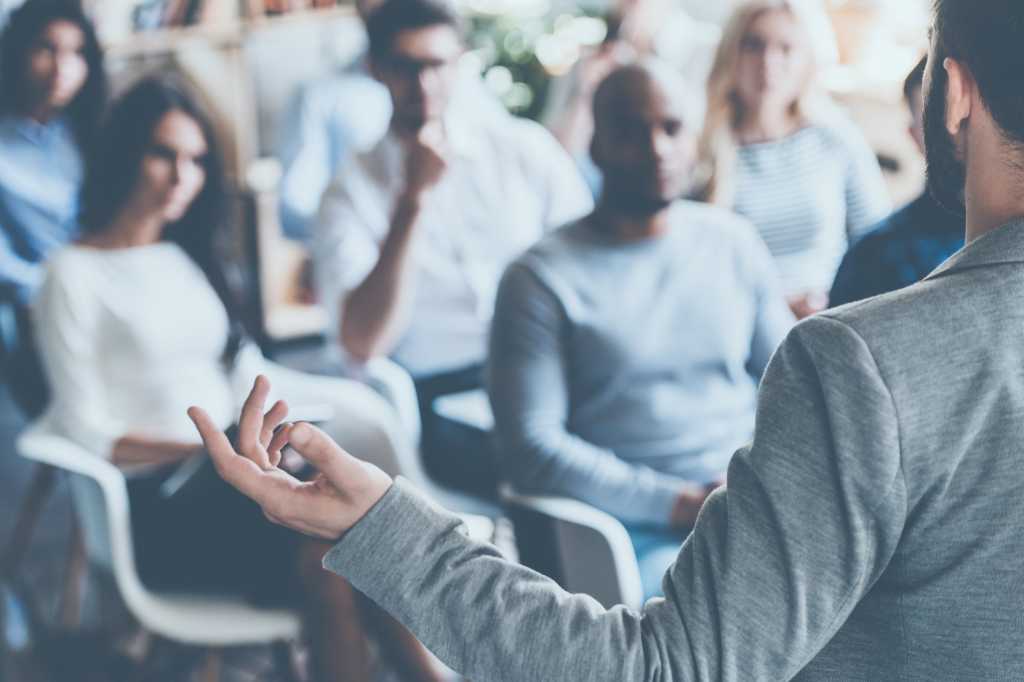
625 194
947 174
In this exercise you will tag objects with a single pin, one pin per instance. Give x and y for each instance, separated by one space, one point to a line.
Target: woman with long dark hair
134 321
53 89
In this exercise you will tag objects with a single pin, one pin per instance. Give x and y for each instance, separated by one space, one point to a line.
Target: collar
36 132
1000 246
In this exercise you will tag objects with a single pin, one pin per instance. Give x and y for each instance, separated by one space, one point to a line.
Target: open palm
342 492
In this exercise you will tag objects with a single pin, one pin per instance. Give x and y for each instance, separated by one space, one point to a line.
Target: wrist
411 198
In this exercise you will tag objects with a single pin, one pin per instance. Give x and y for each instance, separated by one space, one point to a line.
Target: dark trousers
458 455
20 365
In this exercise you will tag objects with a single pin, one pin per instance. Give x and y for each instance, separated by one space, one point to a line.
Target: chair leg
43 483
210 671
74 578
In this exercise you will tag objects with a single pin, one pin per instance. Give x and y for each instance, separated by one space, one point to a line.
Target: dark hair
395 16
23 29
112 172
914 81
987 37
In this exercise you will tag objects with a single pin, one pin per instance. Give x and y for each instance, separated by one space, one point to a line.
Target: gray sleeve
529 392
811 517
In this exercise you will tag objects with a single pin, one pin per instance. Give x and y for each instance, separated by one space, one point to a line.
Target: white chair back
593 549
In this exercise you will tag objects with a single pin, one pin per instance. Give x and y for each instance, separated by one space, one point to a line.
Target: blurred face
774 61
172 173
420 73
946 170
57 68
644 148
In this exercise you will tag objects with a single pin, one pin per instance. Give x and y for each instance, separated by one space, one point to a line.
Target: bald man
874 528
626 348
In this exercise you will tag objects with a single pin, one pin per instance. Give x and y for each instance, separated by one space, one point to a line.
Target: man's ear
960 90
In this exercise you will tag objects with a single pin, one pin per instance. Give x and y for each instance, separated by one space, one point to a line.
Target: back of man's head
987 36
392 17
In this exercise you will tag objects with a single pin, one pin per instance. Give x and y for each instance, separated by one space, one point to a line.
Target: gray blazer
872 531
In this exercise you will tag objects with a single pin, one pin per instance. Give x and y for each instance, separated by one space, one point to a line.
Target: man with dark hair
334 118
907 245
874 528
413 235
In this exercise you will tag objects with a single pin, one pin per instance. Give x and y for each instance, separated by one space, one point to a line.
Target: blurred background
249 59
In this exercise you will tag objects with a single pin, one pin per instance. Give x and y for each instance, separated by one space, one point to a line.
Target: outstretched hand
342 492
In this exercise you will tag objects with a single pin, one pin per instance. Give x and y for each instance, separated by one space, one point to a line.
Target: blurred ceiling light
515 8
556 53
499 80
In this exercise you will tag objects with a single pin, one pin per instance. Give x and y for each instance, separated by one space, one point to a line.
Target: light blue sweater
621 372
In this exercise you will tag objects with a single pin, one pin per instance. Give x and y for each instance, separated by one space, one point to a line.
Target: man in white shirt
413 236
334 118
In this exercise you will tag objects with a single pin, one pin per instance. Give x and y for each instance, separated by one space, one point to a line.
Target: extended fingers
277 442
250 425
317 448
271 420
238 471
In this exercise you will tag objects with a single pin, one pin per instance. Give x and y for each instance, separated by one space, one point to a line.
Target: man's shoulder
559 244
516 135
894 323
721 220
727 229
373 167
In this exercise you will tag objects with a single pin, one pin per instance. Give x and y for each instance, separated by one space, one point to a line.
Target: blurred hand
343 491
808 304
688 504
426 159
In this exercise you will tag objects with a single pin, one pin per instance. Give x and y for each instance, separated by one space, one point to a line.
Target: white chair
395 385
100 499
594 553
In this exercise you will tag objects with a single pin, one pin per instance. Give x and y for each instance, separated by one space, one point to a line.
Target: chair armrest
40 445
575 519
396 386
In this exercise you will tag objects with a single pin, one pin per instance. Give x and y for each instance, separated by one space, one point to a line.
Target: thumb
317 448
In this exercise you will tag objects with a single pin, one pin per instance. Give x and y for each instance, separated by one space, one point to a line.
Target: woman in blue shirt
53 89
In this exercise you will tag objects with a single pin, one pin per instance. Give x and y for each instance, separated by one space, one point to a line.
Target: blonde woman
775 150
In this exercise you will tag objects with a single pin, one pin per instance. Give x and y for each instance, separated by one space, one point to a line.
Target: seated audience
776 151
874 528
413 236
908 245
134 321
627 347
52 92
335 118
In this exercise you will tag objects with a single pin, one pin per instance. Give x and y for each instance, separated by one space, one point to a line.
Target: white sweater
130 338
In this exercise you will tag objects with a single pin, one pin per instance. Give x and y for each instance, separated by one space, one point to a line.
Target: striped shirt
810 194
